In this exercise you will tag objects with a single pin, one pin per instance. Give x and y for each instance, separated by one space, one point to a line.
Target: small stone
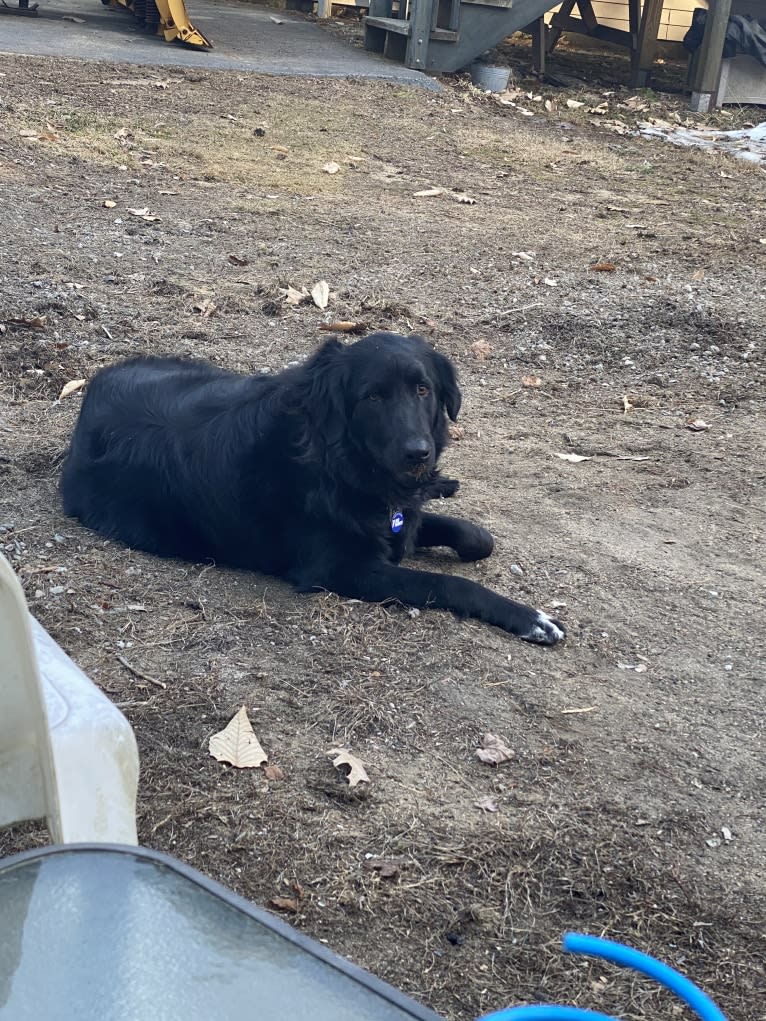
694 347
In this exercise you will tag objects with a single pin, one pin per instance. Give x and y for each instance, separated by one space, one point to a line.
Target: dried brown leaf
71 388
357 773
320 294
343 326
237 744
531 381
697 425
481 349
290 904
602 267
494 750
292 295
274 773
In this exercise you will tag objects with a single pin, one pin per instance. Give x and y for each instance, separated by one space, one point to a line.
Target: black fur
296 475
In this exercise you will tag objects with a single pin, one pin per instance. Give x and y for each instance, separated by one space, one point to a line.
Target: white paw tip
545 631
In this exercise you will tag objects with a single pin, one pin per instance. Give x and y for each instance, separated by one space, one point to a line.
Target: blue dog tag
397 522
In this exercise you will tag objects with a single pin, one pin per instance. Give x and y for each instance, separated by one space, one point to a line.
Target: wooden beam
421 19
647 43
538 44
708 62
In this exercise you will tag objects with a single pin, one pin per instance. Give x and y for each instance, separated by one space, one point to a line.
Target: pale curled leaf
237 744
72 387
697 425
320 294
493 750
486 804
481 349
357 773
574 458
343 326
429 193
292 295
331 168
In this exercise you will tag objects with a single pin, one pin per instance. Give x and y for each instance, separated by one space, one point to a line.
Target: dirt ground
634 806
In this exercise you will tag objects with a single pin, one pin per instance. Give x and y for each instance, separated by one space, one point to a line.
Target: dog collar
397 521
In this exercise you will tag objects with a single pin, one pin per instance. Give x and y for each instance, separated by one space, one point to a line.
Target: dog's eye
423 390
374 397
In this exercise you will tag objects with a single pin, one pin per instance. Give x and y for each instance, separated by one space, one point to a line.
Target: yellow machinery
165 17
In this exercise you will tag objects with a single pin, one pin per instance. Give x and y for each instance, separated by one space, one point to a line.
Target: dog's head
383 400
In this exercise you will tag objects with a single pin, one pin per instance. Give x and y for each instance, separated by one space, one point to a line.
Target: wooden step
402 27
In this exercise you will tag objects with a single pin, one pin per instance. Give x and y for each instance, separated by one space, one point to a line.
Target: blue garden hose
617 953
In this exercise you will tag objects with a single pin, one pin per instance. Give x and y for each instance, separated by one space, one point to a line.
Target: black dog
317 475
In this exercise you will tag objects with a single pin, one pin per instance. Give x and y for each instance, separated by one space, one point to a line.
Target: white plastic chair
67 754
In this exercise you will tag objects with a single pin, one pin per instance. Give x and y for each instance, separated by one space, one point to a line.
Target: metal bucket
489 77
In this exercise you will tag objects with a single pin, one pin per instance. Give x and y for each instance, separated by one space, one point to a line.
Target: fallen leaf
550 282
494 750
293 296
71 17
237 743
574 104
639 668
726 834
574 458
698 274
30 322
481 349
697 425
626 404
486 804
109 203
72 387
587 709
273 773
602 267
205 308
429 193
290 904
386 868
457 432
343 326
277 21
548 105
464 199
357 773
331 168
237 260
320 294
144 214
531 381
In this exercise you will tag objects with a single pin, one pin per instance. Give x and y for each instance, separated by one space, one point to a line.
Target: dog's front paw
544 630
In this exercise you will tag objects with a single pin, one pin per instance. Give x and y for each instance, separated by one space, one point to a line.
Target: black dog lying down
317 475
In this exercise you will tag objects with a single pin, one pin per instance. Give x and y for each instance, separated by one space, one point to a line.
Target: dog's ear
446 379
323 397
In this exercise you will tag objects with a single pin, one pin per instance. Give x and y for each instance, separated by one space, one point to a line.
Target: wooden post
643 59
324 8
708 63
538 45
421 18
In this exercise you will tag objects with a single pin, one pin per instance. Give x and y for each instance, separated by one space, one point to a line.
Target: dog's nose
417 451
